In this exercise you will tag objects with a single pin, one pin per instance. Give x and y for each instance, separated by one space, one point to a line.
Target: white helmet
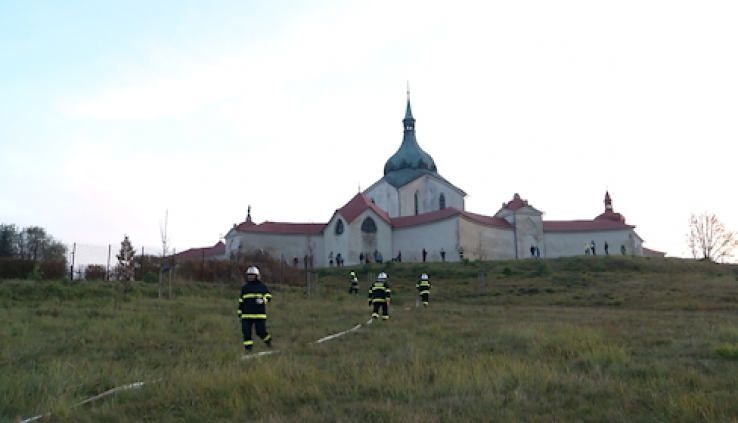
424 277
382 276
253 270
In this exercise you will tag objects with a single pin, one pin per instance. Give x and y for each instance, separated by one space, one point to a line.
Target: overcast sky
113 112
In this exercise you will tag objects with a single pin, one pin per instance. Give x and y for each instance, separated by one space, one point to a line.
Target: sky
115 114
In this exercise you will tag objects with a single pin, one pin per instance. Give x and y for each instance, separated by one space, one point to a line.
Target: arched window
442 202
416 203
369 226
339 227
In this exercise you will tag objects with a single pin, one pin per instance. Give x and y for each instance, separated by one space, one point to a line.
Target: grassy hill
605 338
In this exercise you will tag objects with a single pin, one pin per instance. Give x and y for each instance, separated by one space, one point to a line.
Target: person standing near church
252 308
424 287
354 288
379 296
443 255
425 253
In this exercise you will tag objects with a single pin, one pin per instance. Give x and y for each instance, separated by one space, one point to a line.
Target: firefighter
252 308
379 296
354 288
424 287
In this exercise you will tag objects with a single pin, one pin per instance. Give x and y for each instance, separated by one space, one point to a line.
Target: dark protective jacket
354 281
379 292
423 286
247 304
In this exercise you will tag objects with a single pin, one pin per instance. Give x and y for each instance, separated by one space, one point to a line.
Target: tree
31 243
164 237
8 235
709 239
124 270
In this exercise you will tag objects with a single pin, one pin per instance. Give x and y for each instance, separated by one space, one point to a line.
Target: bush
95 272
36 274
21 269
727 351
151 277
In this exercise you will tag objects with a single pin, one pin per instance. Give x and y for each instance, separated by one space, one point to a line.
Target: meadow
582 339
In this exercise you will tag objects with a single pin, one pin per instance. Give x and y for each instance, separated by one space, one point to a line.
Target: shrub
95 272
727 351
36 274
151 277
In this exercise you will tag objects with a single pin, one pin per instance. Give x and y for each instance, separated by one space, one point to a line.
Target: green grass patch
615 339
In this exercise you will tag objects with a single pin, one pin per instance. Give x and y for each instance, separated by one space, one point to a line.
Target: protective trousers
354 289
261 331
424 297
385 310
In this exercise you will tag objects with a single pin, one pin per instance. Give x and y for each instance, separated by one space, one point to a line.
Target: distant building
413 207
216 252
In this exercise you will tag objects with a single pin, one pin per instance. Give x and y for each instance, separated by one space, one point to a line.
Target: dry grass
611 339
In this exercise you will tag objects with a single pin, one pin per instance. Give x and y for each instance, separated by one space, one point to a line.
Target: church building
412 208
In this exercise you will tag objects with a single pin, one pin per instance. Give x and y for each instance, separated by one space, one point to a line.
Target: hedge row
22 269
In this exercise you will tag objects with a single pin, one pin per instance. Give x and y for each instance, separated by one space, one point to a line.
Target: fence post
143 260
74 254
107 269
161 280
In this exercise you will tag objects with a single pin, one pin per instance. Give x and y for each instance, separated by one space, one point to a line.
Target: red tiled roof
195 253
357 205
515 204
487 220
402 222
582 225
434 216
286 228
244 225
611 215
650 252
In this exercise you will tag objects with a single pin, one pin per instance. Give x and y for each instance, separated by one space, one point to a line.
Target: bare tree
164 237
709 239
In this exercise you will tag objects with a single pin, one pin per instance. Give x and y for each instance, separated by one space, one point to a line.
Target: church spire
409 121
248 216
608 201
410 158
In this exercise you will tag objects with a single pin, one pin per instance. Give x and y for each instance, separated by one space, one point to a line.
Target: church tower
411 184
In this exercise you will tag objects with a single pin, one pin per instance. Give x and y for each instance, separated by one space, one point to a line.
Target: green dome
410 156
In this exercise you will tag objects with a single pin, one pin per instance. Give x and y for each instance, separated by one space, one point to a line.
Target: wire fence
102 260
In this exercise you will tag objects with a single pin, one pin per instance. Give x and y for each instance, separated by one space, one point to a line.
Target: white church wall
407 197
529 232
429 190
431 236
335 243
561 244
434 189
386 197
481 242
359 241
289 245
